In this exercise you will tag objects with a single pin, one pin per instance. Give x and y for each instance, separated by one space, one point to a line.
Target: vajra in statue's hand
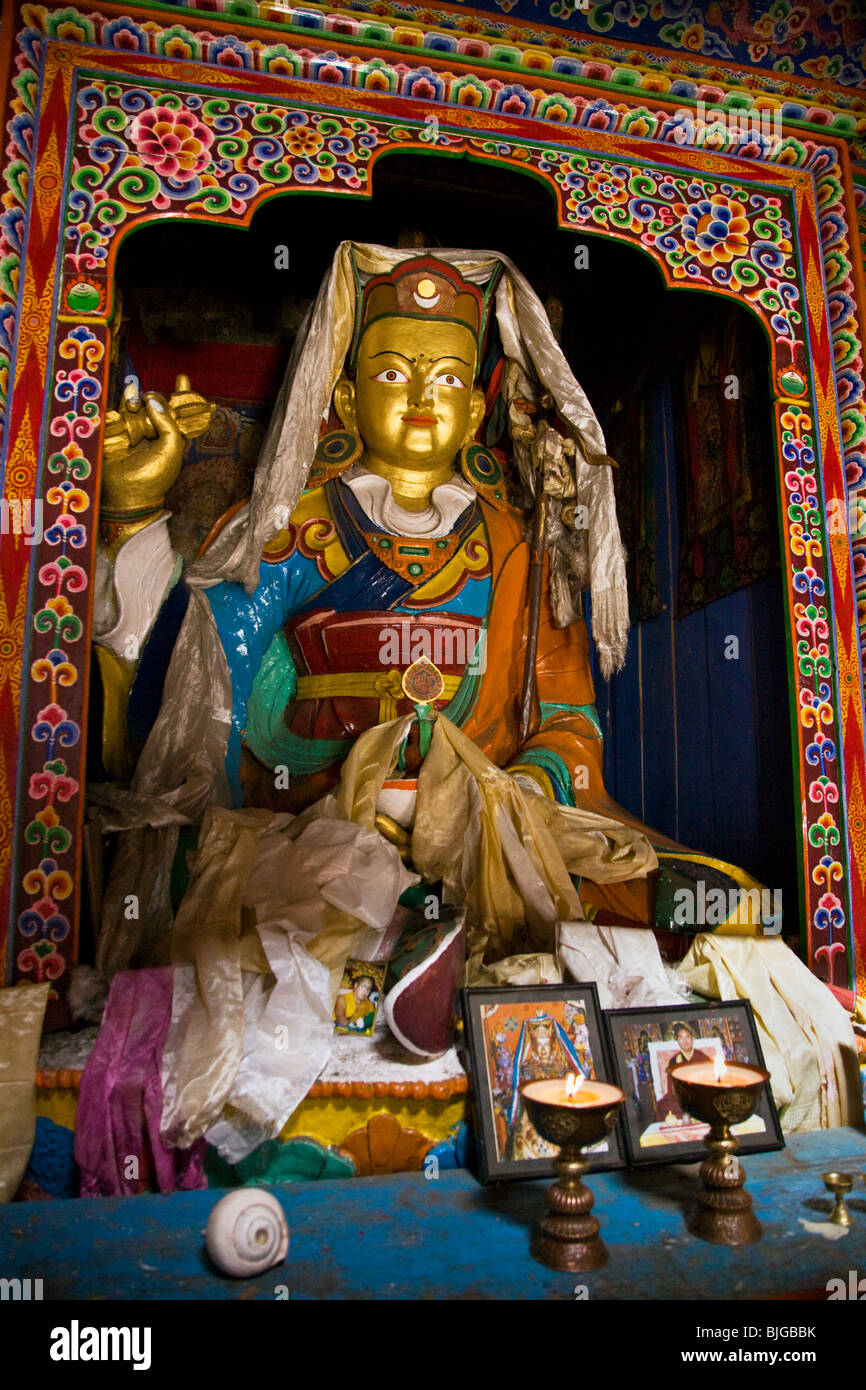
143 445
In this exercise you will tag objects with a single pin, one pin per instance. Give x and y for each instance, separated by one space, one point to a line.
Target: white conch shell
247 1233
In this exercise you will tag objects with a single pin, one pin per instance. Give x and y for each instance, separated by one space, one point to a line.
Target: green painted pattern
266 734
549 709
553 765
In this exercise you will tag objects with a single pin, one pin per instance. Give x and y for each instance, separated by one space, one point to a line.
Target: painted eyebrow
449 357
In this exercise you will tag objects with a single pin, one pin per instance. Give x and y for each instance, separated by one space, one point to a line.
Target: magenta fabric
120 1102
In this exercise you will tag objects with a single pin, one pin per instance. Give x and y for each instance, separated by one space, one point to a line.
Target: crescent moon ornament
247 1233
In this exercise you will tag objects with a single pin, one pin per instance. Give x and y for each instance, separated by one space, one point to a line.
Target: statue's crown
425 288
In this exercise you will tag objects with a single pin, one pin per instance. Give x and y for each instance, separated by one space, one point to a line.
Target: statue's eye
392 375
449 379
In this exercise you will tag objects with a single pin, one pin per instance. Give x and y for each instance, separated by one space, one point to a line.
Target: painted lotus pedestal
126 122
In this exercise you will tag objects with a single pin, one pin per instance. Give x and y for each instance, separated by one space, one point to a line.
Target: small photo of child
358 997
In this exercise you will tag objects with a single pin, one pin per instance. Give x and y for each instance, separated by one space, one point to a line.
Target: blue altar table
409 1237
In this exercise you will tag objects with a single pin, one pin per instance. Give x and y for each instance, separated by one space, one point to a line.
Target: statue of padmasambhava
377 671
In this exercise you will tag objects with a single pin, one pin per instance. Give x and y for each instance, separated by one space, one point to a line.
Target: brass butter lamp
722 1096
839 1184
567 1237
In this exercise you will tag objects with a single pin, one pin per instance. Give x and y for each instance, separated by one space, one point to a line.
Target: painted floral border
778 40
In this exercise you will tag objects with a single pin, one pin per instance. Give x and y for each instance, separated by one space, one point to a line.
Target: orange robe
563 677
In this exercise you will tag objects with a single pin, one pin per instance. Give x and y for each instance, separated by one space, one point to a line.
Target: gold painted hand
143 446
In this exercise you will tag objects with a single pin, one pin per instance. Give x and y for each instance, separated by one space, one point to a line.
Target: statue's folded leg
655 899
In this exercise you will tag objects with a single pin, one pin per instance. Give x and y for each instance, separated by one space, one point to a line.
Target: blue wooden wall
696 744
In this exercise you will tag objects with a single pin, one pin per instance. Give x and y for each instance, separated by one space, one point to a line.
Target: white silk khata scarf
295 897
806 1036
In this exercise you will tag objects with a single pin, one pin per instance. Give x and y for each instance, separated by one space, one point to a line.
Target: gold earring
335 452
480 467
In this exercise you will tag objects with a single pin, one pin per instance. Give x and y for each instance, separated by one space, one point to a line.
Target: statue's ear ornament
335 452
482 469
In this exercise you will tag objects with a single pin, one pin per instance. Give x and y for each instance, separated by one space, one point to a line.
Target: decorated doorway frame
106 160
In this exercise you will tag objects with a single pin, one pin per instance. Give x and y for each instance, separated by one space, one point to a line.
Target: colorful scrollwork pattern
58 653
824 847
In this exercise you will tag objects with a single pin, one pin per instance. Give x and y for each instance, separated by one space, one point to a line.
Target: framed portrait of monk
530 1033
647 1044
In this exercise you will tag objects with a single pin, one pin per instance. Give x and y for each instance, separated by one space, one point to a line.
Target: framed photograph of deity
646 1045
528 1033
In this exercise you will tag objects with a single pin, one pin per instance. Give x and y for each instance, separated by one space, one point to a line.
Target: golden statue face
412 401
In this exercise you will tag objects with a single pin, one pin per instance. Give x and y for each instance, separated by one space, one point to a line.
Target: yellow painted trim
536 774
738 875
59 1106
385 686
731 926
313 506
118 676
330 1121
333 1120
451 573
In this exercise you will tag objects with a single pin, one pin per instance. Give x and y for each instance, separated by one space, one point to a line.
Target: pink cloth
846 997
120 1102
